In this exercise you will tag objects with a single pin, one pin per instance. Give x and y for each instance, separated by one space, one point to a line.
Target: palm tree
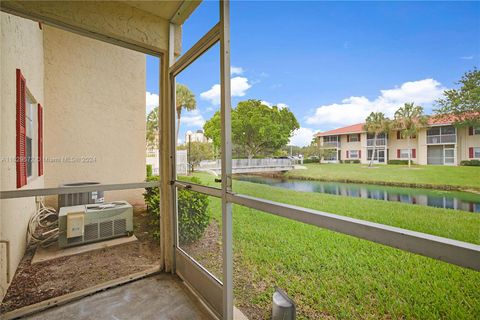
152 128
376 123
184 99
408 120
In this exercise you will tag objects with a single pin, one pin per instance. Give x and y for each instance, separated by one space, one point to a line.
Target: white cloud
192 119
236 70
355 109
239 87
268 104
302 137
151 101
280 105
467 57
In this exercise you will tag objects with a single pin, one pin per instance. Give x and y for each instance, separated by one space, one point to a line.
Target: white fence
248 163
182 165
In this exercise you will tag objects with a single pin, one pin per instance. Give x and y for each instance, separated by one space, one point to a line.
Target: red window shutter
40 140
398 135
348 138
359 137
470 152
414 136
414 153
359 153
470 131
347 153
21 137
398 153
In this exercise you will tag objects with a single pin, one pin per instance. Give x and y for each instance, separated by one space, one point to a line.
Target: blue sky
332 63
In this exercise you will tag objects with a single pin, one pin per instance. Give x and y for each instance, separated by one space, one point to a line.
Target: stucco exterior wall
95 94
21 47
352 145
395 144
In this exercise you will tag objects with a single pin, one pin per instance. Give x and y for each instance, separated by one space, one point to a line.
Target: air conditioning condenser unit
94 222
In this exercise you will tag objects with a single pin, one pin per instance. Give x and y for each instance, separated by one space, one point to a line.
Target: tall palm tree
184 99
152 128
408 120
375 124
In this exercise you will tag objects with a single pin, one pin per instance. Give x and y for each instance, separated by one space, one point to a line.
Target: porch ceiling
141 25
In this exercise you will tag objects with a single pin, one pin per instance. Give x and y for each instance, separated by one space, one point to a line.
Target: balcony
441 139
332 144
380 142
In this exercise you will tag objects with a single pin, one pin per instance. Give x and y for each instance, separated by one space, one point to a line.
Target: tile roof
355 128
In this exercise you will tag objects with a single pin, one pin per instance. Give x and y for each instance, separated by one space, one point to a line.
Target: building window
476 130
353 137
476 152
31 136
404 153
354 154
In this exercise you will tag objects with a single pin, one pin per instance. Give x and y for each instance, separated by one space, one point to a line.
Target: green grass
332 275
433 176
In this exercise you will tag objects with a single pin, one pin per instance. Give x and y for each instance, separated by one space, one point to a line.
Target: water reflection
439 199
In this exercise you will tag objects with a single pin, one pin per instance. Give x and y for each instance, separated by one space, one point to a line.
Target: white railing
333 144
442 138
380 142
248 163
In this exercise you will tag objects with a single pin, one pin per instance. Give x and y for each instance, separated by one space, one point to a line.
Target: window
404 153
354 154
353 137
31 139
475 152
330 139
476 130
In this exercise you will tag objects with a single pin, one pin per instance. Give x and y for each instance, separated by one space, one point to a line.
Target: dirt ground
34 283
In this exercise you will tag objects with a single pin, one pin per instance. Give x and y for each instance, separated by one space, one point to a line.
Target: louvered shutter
21 130
398 153
347 154
470 152
470 131
414 153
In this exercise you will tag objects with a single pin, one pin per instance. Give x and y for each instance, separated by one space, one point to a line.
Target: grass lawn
331 275
434 176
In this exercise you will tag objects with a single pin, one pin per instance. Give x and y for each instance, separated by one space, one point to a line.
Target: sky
330 63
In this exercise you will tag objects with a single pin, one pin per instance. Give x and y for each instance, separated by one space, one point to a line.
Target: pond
427 197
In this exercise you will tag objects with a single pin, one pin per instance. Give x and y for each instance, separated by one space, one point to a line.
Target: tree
152 128
197 152
184 99
256 128
375 124
462 103
408 120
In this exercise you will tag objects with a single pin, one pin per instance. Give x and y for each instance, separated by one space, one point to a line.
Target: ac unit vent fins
120 226
91 232
106 229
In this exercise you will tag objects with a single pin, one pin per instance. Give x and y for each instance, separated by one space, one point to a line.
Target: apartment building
439 143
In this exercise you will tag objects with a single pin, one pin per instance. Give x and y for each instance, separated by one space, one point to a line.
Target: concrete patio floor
161 296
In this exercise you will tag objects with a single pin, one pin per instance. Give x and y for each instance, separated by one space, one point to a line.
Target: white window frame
355 137
353 154
476 152
476 130
405 153
31 126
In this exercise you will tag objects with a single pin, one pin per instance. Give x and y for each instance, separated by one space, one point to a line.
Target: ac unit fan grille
91 232
106 229
120 226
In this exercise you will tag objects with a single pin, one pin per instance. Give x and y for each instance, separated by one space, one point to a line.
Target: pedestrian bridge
249 165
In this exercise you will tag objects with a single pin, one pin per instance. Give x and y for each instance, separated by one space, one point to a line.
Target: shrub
401 162
192 208
149 170
470 163
152 200
309 160
350 161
